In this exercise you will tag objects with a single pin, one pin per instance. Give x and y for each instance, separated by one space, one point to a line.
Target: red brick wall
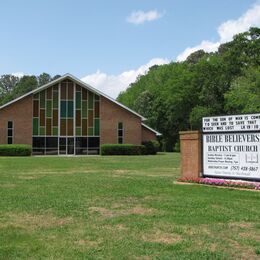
110 115
147 135
190 142
20 112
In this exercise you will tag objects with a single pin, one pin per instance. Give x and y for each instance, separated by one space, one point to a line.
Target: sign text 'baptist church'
231 146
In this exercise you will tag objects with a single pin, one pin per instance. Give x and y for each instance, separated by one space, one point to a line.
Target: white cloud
18 74
139 17
113 84
226 31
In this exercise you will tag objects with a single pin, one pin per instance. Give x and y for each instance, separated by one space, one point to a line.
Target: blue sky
102 42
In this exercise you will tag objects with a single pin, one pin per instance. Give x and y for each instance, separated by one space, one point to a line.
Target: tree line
12 87
175 97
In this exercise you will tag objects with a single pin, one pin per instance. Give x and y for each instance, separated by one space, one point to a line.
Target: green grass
120 208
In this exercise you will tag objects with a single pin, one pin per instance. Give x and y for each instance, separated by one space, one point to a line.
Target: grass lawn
120 208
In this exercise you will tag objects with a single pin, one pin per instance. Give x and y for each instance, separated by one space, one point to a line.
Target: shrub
122 149
15 150
151 147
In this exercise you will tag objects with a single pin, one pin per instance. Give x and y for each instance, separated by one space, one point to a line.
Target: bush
177 147
151 147
15 150
122 149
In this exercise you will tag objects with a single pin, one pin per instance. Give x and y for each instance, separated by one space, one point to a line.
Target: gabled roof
79 82
149 128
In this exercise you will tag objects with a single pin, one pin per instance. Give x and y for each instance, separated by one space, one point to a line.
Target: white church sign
231 146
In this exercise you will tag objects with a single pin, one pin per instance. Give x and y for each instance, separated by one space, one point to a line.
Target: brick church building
67 116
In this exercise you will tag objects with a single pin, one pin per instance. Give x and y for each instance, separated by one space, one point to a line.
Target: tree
43 79
244 94
7 83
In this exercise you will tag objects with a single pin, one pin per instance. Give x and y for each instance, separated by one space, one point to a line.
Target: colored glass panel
78 118
90 100
35 126
36 108
42 130
78 88
90 118
96 109
70 91
42 99
84 127
96 97
55 87
70 108
90 131
84 109
96 126
78 131
55 99
63 127
36 96
78 100
48 126
63 109
42 117
84 94
49 93
49 108
70 127
55 131
63 90
55 117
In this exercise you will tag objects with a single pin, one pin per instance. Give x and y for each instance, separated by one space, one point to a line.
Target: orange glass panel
48 126
70 127
84 94
63 127
55 117
42 117
63 90
70 90
49 93
36 108
78 118
84 127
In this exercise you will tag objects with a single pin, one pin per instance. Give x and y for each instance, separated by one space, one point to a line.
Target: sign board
232 153
231 123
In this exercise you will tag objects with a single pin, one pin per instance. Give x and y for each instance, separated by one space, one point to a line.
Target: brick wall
20 113
190 143
147 135
110 115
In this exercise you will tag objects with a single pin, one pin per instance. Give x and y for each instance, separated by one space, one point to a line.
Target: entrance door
66 145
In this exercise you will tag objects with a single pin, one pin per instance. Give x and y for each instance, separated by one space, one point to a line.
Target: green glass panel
49 108
42 99
55 131
84 109
90 131
90 100
36 96
55 99
78 100
42 130
96 126
70 108
63 109
96 97
120 125
35 126
78 131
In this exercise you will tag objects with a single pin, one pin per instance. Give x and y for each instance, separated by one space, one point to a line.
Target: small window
120 133
10 132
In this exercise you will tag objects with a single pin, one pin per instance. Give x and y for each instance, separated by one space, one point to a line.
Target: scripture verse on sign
232 155
231 123
231 146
